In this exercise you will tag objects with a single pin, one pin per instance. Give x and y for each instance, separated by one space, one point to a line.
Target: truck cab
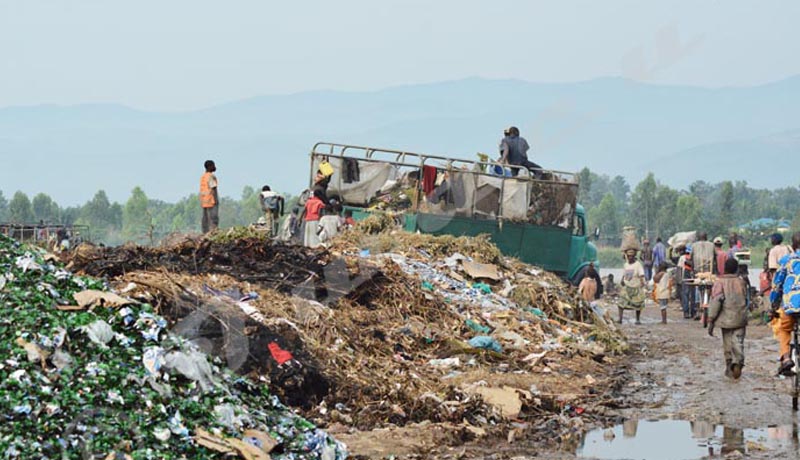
536 220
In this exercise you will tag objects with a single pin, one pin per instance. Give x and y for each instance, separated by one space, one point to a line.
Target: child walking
663 287
728 310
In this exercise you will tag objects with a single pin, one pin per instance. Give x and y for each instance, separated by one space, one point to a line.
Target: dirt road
677 373
676 404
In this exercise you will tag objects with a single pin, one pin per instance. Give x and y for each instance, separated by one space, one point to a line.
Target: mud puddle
684 440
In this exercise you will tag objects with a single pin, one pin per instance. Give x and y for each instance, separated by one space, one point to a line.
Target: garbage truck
534 218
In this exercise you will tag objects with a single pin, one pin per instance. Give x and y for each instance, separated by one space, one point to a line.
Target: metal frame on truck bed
535 219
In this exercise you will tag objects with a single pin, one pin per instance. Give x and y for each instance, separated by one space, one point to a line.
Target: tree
726 208
689 212
606 216
97 212
3 207
137 221
585 184
665 202
250 206
45 209
20 210
643 204
620 189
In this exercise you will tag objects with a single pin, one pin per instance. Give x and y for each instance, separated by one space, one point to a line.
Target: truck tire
576 280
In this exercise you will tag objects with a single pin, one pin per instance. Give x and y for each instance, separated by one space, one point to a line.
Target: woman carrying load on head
632 293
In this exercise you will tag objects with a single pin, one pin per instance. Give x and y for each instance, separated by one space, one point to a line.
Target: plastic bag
193 365
99 332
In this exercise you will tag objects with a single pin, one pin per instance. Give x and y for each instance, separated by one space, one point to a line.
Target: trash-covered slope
84 371
385 328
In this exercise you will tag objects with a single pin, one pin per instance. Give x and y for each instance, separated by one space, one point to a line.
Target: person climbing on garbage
314 208
588 288
662 289
785 299
632 294
514 151
647 260
209 197
728 311
272 205
598 281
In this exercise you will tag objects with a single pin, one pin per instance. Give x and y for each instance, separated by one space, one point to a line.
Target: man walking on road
728 310
785 299
720 256
209 197
659 253
703 254
686 290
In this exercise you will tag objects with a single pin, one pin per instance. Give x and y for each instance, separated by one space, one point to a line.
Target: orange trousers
783 328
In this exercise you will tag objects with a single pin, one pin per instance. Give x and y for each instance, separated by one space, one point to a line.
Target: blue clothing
659 254
786 284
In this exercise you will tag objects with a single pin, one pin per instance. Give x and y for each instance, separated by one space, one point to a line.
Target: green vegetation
609 257
140 219
657 210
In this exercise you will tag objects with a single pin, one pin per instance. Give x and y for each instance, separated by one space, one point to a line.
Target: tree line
656 209
140 219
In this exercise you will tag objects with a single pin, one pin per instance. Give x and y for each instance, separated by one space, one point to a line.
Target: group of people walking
727 292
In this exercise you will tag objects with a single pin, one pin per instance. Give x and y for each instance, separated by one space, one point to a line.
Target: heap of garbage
89 373
384 328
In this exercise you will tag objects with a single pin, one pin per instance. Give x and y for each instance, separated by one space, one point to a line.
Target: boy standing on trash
728 310
588 286
662 288
209 197
314 208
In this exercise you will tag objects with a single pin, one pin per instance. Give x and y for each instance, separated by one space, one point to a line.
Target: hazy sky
185 54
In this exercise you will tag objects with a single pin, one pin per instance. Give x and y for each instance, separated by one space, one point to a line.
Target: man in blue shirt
659 253
785 299
514 151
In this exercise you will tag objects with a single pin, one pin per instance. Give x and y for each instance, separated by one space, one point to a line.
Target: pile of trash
86 372
250 259
385 328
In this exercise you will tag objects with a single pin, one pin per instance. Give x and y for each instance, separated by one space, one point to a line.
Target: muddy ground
673 372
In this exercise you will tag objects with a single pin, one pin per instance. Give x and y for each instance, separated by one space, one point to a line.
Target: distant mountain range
611 125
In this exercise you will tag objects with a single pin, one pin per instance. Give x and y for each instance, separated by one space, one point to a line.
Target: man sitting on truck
514 151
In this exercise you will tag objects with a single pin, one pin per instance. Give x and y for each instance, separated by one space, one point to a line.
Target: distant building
765 226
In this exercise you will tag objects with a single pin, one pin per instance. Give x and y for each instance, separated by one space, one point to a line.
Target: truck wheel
576 280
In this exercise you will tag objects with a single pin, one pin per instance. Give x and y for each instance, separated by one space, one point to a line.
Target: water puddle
683 440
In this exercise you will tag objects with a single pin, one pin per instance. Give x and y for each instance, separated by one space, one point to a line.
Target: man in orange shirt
209 198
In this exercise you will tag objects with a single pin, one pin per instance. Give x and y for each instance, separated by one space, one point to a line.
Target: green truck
536 220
